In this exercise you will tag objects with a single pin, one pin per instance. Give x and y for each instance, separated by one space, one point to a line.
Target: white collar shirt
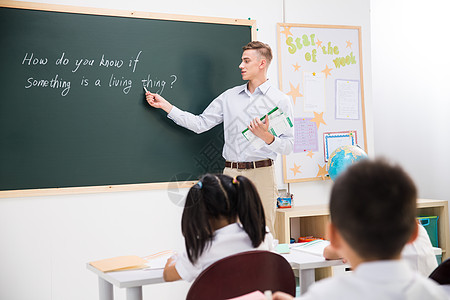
236 108
227 241
420 254
387 280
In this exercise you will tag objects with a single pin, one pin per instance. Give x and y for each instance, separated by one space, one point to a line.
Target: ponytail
195 225
250 210
217 196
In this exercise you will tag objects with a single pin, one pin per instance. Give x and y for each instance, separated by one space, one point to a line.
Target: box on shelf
286 201
430 223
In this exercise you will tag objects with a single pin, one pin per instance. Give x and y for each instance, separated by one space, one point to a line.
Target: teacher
239 108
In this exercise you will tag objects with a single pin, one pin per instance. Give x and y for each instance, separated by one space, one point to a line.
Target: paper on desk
314 247
158 260
120 263
278 124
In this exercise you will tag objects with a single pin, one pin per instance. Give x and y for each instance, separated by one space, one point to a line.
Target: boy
238 108
373 210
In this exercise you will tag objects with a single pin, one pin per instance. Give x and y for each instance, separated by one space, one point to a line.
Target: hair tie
200 185
235 180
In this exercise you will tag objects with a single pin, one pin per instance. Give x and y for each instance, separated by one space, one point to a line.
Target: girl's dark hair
217 196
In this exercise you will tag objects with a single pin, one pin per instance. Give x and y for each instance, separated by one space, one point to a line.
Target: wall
414 108
411 92
47 241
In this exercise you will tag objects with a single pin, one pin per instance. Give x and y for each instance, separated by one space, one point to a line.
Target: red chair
243 273
442 273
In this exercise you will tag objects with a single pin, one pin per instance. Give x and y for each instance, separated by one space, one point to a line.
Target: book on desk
315 247
133 262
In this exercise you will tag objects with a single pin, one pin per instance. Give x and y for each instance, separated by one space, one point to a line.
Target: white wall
411 95
47 241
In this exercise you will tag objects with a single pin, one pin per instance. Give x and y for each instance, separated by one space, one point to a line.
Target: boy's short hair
263 50
373 206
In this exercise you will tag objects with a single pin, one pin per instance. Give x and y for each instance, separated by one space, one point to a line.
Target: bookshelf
313 219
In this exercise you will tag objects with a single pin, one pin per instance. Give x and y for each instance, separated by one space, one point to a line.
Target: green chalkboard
72 108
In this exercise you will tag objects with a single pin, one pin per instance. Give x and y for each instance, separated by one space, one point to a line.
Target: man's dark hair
263 50
373 206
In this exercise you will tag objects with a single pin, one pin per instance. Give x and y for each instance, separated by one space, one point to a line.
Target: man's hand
157 101
261 130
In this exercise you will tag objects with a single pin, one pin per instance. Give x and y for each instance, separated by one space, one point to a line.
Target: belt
249 165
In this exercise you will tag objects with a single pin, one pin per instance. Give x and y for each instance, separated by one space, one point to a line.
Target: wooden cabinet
313 219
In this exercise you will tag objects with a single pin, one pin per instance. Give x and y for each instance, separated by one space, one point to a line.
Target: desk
134 280
306 264
131 280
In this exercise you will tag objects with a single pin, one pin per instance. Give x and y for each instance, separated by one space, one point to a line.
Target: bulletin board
320 69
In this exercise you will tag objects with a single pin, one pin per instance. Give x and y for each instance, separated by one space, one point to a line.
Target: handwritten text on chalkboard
63 83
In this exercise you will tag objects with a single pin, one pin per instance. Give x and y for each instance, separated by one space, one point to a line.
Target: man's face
250 65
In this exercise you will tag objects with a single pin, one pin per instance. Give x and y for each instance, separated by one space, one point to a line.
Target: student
373 212
419 254
238 108
210 225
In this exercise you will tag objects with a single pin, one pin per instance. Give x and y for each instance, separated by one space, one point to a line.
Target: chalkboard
320 69
73 111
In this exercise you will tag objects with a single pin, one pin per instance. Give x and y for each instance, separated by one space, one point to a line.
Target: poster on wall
320 69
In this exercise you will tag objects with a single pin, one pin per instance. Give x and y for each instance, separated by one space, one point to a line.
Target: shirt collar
386 270
263 88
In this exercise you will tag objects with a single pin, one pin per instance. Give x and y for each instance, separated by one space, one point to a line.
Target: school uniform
387 280
419 254
236 108
227 241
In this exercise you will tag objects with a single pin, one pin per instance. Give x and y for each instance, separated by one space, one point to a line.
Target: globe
342 158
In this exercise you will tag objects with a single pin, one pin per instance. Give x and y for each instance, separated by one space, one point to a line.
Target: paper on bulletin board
347 99
314 95
320 70
333 140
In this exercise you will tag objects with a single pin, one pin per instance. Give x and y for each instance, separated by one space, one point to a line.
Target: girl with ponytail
222 216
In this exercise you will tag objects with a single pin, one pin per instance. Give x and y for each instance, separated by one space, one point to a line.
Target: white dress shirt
236 108
227 241
387 280
419 254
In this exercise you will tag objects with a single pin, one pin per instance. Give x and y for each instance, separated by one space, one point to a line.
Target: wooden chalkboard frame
361 87
127 14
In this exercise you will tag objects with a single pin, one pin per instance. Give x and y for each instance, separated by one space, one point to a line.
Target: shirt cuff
275 145
183 272
174 113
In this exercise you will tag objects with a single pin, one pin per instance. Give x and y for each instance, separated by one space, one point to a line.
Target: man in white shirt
239 108
373 212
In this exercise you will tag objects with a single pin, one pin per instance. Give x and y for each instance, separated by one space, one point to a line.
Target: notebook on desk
314 247
133 262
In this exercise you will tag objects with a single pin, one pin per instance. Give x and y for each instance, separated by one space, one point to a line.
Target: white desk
134 280
306 264
131 280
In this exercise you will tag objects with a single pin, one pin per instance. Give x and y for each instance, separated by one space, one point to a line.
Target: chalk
145 88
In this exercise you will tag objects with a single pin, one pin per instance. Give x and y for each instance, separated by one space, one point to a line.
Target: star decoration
294 92
286 31
319 43
318 118
310 154
327 71
349 44
322 171
296 66
296 169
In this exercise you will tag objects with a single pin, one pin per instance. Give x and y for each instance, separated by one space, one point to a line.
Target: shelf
313 220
